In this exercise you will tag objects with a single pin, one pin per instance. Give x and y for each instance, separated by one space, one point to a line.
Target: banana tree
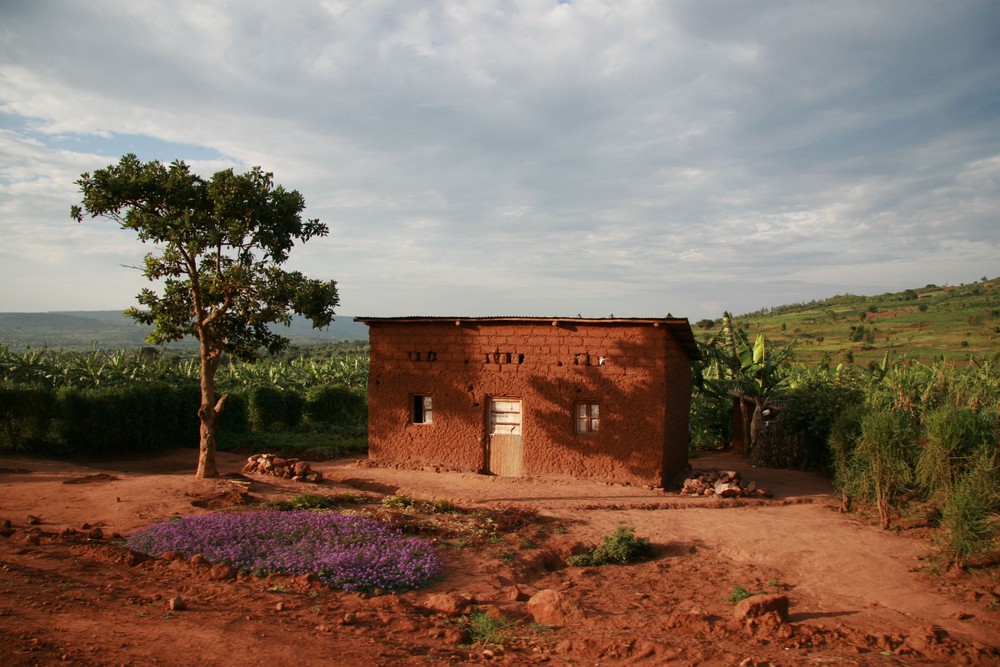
747 370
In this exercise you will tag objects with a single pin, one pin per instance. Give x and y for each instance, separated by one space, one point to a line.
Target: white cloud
529 156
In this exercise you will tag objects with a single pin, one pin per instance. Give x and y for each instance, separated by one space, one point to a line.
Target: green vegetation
488 631
739 594
118 403
916 426
928 324
621 547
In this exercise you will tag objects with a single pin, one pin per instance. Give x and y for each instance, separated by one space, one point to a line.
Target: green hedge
150 416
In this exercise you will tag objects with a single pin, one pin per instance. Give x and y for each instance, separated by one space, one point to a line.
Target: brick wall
638 374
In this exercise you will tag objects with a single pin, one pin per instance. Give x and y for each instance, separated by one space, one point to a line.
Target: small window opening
422 410
588 417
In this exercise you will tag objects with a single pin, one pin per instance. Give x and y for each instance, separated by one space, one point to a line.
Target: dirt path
850 585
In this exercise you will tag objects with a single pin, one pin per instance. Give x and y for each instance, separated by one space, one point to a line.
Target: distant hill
926 324
110 329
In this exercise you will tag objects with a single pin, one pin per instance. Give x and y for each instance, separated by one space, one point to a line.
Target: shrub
845 432
622 547
331 404
968 516
883 458
954 435
25 417
351 553
272 409
710 421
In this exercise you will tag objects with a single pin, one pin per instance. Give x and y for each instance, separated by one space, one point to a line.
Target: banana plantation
903 440
110 403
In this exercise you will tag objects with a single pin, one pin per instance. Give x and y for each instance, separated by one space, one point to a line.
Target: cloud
531 157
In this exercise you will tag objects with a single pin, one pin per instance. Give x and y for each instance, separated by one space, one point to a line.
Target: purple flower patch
350 553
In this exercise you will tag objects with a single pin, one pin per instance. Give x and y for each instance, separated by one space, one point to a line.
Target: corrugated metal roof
679 326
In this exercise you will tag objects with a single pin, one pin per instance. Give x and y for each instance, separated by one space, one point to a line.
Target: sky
635 158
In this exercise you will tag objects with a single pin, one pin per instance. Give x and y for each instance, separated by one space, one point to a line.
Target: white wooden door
505 437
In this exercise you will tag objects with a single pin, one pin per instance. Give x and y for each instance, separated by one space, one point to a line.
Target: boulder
759 605
551 607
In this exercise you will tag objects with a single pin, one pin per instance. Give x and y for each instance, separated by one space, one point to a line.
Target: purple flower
347 552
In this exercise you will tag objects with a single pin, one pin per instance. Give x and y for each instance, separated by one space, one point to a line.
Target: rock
550 607
221 572
517 594
446 603
727 490
198 560
759 605
176 604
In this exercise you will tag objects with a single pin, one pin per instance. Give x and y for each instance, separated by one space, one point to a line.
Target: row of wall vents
498 357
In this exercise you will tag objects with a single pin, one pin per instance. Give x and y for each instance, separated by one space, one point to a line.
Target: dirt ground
70 594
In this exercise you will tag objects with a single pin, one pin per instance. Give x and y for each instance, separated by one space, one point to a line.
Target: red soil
858 595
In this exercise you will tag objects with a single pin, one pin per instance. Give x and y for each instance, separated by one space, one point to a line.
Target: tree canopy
219 246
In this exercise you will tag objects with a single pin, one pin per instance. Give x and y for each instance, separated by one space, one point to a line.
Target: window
422 409
588 417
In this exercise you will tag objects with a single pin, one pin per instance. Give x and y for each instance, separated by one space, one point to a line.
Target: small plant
398 501
622 547
487 630
442 506
506 518
305 501
738 594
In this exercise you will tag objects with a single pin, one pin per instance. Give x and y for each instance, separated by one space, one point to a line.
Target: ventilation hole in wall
507 358
520 358
432 356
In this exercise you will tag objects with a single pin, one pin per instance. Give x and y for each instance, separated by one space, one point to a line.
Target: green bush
272 409
622 547
811 406
332 404
710 421
123 420
845 432
969 515
884 458
25 417
953 436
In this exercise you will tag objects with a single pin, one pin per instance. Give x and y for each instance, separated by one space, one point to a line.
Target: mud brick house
599 398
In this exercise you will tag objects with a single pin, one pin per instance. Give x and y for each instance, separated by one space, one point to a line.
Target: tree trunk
207 412
756 423
745 416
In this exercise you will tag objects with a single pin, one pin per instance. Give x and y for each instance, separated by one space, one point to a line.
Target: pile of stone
293 469
722 483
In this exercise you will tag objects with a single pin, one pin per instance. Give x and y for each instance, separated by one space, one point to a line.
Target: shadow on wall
628 444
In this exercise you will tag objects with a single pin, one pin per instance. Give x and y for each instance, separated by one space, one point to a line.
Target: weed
305 501
398 501
622 547
486 630
738 594
505 555
443 507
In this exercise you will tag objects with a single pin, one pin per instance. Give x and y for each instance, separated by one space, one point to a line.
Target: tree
219 248
737 367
